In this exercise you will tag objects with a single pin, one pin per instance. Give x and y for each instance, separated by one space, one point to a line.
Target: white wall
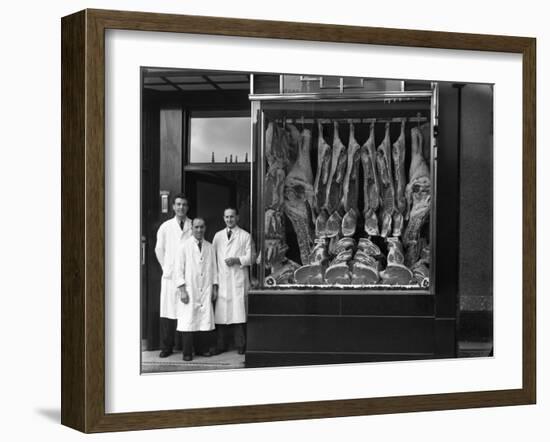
30 198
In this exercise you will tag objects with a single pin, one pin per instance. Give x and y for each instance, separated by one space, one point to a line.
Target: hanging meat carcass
371 187
337 171
298 195
277 160
418 196
324 151
383 162
276 147
350 188
274 243
398 155
275 247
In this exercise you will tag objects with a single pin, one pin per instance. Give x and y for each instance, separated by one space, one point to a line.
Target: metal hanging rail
387 96
417 119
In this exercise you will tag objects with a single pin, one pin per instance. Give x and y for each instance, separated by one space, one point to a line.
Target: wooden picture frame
83 220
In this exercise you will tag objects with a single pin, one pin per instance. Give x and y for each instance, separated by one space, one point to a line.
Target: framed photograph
267 221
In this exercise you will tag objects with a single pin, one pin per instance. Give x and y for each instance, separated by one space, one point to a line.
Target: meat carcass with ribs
398 156
324 155
371 187
298 194
387 190
274 243
350 190
337 171
418 196
277 160
277 144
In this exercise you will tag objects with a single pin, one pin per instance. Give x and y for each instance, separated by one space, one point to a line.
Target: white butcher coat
197 270
169 238
233 281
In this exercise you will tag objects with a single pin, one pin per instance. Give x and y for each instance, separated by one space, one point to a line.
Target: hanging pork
418 197
277 160
337 171
276 152
398 156
298 194
324 155
350 188
371 187
387 190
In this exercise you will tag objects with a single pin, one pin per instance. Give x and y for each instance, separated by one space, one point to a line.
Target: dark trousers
239 335
201 341
167 333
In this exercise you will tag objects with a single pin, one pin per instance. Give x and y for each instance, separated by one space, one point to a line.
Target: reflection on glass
220 140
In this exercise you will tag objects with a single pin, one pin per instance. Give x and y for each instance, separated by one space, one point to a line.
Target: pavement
151 363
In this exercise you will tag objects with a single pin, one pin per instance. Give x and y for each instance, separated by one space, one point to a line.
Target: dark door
209 195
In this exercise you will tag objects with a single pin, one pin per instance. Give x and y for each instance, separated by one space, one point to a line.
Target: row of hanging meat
339 243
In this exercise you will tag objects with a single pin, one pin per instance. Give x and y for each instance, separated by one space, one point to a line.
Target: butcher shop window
346 194
220 137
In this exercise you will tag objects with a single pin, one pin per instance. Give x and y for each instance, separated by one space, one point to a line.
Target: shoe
216 352
241 350
165 353
187 358
206 354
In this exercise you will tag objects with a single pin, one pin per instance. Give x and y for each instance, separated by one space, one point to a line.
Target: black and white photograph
302 219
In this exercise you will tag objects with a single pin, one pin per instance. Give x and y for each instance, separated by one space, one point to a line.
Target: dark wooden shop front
294 327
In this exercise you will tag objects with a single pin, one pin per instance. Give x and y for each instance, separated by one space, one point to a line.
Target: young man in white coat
233 247
170 235
196 279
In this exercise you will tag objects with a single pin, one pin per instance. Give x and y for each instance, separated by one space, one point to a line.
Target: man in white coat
233 248
196 279
170 235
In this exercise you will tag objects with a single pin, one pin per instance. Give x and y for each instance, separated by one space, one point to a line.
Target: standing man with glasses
170 236
196 279
233 247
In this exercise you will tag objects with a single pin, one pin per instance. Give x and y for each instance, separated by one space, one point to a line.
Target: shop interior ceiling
184 81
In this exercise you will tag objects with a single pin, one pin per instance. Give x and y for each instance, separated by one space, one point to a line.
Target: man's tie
200 246
228 233
181 224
